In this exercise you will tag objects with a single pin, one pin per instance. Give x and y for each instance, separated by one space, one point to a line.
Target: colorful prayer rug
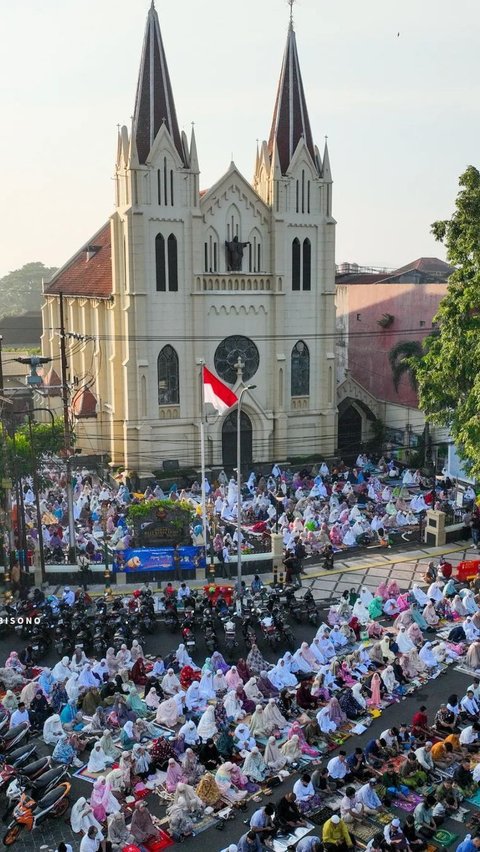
445 838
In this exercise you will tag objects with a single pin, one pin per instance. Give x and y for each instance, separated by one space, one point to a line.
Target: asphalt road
52 832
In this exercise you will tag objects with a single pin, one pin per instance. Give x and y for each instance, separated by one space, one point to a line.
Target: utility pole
67 437
7 483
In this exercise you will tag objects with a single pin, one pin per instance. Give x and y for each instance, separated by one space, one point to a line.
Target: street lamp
239 498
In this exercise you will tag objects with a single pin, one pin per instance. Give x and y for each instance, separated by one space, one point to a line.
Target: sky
395 85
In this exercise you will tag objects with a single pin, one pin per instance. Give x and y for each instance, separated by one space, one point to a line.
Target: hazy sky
401 112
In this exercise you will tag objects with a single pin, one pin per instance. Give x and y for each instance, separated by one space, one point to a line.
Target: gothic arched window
300 370
168 378
296 264
160 262
172 263
307 264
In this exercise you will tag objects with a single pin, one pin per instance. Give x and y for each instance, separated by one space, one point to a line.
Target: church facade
240 277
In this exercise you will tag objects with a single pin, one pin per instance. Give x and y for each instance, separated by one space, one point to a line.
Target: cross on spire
290 3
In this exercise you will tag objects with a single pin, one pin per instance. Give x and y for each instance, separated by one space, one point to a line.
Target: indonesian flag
216 393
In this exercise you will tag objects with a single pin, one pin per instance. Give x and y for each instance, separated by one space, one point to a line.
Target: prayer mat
339 737
431 848
475 800
91 777
381 819
205 823
364 831
442 837
284 842
321 816
464 669
459 816
409 804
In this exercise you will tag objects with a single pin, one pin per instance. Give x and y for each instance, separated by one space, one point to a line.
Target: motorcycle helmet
137 593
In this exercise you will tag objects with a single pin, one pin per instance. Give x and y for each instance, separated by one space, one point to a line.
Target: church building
240 276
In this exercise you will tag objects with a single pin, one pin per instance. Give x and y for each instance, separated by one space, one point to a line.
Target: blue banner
160 558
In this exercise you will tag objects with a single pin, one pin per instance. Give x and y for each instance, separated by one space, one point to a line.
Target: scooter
23 755
13 737
4 720
30 771
28 813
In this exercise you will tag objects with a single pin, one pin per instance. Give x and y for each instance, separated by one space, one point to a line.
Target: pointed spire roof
290 118
154 102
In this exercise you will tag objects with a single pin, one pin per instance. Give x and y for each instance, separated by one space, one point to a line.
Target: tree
404 359
20 455
448 375
21 290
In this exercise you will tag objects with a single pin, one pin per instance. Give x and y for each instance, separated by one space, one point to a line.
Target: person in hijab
349 704
208 791
192 803
291 750
254 766
135 703
168 713
128 735
117 832
61 671
179 823
71 687
388 678
257 724
189 733
472 658
233 706
191 768
52 730
86 678
233 678
206 727
152 699
274 759
102 800
265 686
272 717
243 738
223 780
139 672
220 684
430 615
45 682
98 760
160 752
209 756
174 775
100 671
108 746
427 656
255 662
375 607
243 670
170 682
82 818
359 695
141 761
421 598
252 691
90 701
142 826
405 644
206 690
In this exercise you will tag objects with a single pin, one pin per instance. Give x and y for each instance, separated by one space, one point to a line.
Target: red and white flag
216 393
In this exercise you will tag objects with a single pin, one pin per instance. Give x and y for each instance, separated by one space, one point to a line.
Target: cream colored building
156 291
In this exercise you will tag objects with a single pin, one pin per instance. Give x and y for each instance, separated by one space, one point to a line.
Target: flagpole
202 458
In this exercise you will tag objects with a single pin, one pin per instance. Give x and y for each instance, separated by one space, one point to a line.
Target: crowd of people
215 736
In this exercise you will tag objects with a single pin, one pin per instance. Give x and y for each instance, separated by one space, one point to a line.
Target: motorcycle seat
19 753
32 768
48 800
13 732
46 778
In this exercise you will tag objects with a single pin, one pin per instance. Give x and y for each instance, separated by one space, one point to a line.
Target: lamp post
239 497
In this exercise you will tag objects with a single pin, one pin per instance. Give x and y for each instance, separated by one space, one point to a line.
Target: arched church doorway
229 440
349 430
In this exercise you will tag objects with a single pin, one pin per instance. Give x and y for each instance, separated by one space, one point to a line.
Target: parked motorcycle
13 737
29 813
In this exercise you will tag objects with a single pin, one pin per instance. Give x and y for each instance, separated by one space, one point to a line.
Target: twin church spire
155 105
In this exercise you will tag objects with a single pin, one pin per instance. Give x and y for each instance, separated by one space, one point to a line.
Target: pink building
375 312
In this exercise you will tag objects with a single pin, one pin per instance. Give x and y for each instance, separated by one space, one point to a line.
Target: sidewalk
407 567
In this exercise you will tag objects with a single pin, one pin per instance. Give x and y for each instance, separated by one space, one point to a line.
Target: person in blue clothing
468 844
309 844
256 584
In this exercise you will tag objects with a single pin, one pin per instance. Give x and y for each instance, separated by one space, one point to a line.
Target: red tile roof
84 404
82 277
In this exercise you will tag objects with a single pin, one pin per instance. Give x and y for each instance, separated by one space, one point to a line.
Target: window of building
307 265
160 262
422 323
359 316
159 185
172 264
168 377
171 188
300 370
296 264
211 251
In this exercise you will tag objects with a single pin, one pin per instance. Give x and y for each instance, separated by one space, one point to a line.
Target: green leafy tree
404 359
21 290
21 454
449 373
